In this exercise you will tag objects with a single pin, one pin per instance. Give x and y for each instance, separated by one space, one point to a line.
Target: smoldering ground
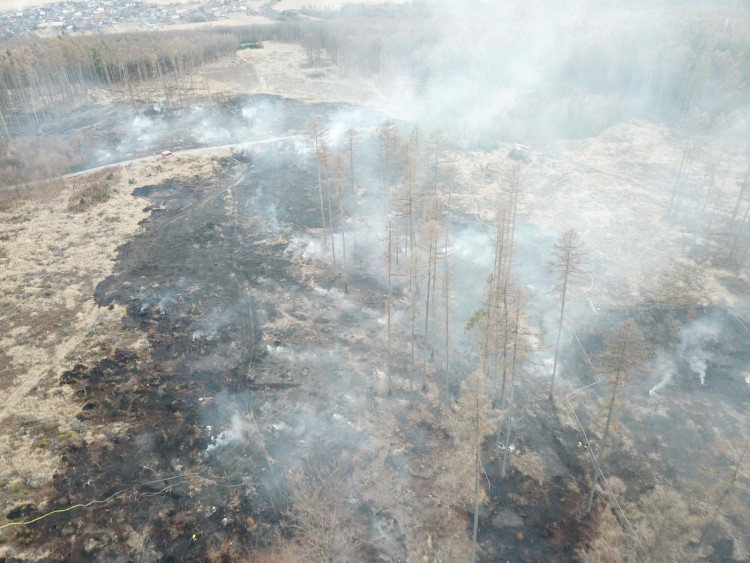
260 365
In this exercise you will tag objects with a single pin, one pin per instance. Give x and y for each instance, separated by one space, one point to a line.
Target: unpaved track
187 152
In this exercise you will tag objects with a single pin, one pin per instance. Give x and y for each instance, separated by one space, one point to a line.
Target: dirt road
183 153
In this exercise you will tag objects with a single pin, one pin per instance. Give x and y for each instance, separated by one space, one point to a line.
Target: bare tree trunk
446 306
597 460
322 205
413 315
343 243
476 508
330 221
719 193
512 396
390 303
740 198
5 133
557 343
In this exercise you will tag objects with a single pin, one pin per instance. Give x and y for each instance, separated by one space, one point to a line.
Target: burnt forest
416 281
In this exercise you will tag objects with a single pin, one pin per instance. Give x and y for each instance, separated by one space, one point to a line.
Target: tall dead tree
324 157
624 357
389 142
566 260
351 145
469 422
407 205
446 306
740 197
431 232
499 292
339 178
317 133
519 349
719 192
389 302
496 320
436 148
681 180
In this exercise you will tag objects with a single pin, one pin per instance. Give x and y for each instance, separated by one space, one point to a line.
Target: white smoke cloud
692 350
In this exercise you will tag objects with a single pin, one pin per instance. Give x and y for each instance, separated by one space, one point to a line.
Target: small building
520 152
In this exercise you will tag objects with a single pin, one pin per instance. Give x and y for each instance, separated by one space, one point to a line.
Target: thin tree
496 321
430 235
446 306
389 142
566 260
681 180
740 198
474 324
469 423
389 303
339 179
624 356
323 157
351 140
317 133
407 203
519 350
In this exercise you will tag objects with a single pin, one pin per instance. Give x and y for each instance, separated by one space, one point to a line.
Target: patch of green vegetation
70 435
24 536
93 189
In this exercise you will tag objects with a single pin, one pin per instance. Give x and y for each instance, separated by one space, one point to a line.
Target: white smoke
240 430
693 342
664 365
692 350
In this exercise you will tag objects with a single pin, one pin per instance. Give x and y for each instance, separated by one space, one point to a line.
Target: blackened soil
524 520
188 282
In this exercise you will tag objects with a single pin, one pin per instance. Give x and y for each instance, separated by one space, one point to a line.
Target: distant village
95 16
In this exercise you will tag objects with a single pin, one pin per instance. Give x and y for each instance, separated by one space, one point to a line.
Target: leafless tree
431 233
325 526
681 180
389 142
317 133
469 422
339 177
624 356
389 302
519 350
351 146
566 261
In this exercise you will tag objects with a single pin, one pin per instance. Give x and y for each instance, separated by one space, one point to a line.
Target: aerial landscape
332 281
